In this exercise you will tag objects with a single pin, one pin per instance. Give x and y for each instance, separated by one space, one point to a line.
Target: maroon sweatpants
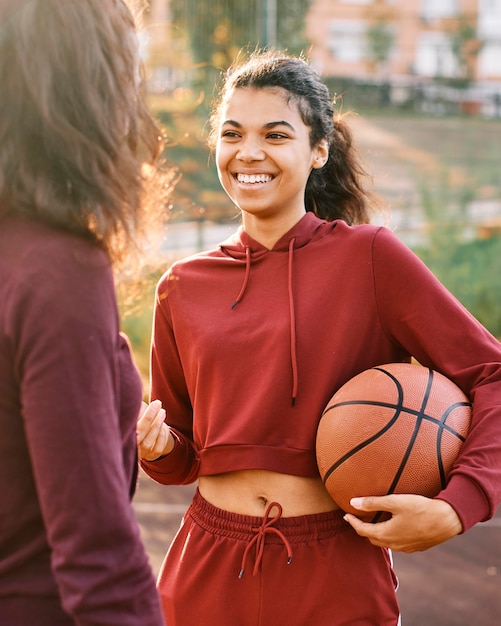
224 569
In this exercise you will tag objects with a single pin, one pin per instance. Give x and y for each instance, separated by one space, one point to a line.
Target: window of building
434 9
434 56
489 5
489 65
364 1
489 19
347 40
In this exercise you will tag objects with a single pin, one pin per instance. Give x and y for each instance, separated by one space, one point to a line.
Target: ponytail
339 189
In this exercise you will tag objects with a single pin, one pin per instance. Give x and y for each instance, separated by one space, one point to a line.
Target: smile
254 178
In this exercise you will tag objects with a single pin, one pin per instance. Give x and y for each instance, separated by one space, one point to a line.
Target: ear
321 154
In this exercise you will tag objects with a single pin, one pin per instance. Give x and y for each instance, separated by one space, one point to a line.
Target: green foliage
136 315
198 194
216 31
471 271
380 40
469 268
291 17
465 46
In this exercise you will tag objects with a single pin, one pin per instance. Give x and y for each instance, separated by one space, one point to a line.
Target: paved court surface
455 584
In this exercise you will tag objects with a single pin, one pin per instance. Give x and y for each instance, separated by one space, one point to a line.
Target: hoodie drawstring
246 276
258 540
292 314
292 318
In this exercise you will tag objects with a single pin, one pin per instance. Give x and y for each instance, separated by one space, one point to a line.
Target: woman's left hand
417 523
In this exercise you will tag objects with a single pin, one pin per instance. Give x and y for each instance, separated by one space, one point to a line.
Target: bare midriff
249 492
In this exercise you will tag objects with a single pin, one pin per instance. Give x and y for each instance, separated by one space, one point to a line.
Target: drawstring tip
240 575
293 401
289 560
234 304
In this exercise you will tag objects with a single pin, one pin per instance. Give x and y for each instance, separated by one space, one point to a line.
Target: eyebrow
268 125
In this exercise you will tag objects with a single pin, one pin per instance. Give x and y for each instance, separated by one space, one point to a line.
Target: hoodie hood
307 229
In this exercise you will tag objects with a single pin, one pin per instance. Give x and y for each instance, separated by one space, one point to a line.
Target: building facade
428 39
443 54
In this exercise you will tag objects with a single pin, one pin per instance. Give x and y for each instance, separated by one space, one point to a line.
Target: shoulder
371 245
377 236
359 231
356 238
342 231
67 255
42 266
37 245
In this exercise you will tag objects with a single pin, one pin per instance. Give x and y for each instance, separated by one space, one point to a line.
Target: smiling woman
252 339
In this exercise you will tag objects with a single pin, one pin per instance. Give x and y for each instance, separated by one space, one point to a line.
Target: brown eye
230 134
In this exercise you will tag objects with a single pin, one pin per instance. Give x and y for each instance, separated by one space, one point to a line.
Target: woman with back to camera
73 201
250 342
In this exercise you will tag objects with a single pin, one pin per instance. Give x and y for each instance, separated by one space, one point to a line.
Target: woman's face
263 154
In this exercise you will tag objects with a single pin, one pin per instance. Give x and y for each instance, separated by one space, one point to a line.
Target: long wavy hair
78 148
341 189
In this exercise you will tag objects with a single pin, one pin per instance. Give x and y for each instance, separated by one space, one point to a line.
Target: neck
268 231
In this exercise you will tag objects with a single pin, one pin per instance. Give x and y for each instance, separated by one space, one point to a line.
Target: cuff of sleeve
467 499
175 468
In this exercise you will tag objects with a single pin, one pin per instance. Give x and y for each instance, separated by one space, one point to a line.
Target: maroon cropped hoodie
250 344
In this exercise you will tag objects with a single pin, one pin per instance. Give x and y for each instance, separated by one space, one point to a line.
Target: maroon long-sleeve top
69 398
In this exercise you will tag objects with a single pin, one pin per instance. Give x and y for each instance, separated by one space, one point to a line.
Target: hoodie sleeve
419 313
168 385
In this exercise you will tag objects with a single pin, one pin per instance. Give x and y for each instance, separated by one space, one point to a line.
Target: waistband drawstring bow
258 540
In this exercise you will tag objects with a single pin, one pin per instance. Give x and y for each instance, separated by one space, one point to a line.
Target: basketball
394 428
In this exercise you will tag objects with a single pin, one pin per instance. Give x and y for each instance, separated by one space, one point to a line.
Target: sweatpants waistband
299 529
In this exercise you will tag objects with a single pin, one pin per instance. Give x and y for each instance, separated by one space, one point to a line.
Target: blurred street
455 584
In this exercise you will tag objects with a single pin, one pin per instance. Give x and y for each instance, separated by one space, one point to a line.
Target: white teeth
254 178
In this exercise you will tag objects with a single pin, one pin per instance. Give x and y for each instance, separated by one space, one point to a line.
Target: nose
250 149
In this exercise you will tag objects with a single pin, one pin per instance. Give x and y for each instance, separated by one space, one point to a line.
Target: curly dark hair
339 190
78 148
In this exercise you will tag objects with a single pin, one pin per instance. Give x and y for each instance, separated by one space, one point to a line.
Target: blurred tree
217 31
465 46
380 38
380 35
468 267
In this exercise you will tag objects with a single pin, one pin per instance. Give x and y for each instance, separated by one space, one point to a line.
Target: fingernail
356 502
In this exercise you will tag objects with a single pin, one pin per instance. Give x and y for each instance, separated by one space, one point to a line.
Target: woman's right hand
154 438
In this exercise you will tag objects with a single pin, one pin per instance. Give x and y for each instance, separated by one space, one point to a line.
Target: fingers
377 534
152 432
375 503
367 529
148 415
416 524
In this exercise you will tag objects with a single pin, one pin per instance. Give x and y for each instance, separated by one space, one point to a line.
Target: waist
243 527
249 492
